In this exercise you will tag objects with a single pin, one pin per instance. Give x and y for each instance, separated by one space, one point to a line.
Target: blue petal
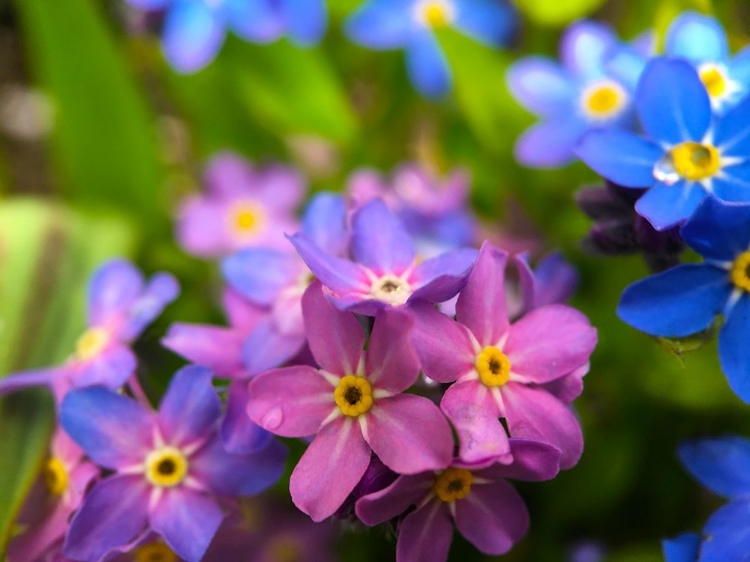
427 66
721 464
731 133
583 48
666 206
625 64
380 240
161 290
255 20
324 222
239 434
190 408
193 35
260 274
676 303
306 20
733 185
739 67
729 529
682 549
676 114
339 275
111 368
442 277
488 21
541 85
149 4
696 37
550 144
620 157
718 231
381 24
734 351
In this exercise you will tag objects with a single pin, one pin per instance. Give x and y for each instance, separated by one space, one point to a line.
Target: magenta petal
330 468
532 461
190 409
549 342
391 362
228 175
201 227
187 520
481 436
426 534
492 517
216 347
114 513
242 313
268 347
291 402
395 499
443 345
535 414
569 387
111 368
481 305
335 337
409 434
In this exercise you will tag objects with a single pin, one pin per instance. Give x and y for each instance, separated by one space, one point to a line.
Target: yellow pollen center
740 273
695 161
493 367
714 81
155 552
56 476
246 218
166 467
435 14
603 100
353 396
91 343
453 484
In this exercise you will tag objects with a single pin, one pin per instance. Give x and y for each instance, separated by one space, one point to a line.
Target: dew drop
664 170
272 418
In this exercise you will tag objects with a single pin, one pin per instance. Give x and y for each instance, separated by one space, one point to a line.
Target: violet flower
168 468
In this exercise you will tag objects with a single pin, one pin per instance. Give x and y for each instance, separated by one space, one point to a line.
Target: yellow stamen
740 273
714 81
493 367
91 343
695 161
166 467
56 476
245 218
353 396
453 484
603 100
155 552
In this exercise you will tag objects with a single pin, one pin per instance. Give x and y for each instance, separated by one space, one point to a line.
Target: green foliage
557 12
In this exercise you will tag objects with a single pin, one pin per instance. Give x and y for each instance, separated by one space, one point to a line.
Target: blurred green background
99 139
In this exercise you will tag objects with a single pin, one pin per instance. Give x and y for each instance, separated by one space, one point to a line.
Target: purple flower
502 369
484 508
354 405
244 206
168 468
120 306
385 271
552 282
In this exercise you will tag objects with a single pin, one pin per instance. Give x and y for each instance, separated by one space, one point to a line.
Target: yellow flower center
155 552
56 476
603 100
435 13
166 467
493 367
91 343
740 273
245 218
695 161
453 484
353 396
714 81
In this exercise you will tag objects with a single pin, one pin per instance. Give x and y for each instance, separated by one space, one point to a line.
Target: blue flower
686 299
410 25
571 97
687 153
683 548
194 30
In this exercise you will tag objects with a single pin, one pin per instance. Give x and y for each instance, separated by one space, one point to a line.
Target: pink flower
354 405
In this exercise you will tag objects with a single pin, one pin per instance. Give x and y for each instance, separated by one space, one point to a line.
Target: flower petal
541 85
409 434
192 35
201 227
227 175
339 275
666 206
218 348
380 240
391 363
720 464
239 434
427 65
161 290
532 461
324 221
111 368
620 157
260 274
696 37
380 25
258 22
190 408
330 468
683 548
550 144
730 137
111 290
395 499
678 302
729 529
444 275
267 347
487 21
306 20
584 45
425 534
718 231
734 351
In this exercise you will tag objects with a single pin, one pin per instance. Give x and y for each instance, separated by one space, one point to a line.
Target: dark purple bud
376 477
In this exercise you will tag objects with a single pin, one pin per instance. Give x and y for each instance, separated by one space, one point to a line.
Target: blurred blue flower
194 30
572 97
683 548
687 153
410 25
686 299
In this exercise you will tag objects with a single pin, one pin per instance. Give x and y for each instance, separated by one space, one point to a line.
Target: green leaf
557 12
47 253
105 145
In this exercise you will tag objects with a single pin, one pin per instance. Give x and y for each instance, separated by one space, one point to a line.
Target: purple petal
260 274
584 45
532 461
409 434
324 222
550 144
568 388
111 290
258 22
380 25
492 517
339 275
218 348
228 176
280 189
242 313
192 35
335 337
114 431
201 227
330 468
380 241
541 85
481 306
14 382
190 408
111 368
187 520
239 434
291 402
114 513
443 276
162 289
306 20
395 499
267 347
426 534
391 363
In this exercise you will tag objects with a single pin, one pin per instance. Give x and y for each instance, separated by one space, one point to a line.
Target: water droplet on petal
272 418
664 170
